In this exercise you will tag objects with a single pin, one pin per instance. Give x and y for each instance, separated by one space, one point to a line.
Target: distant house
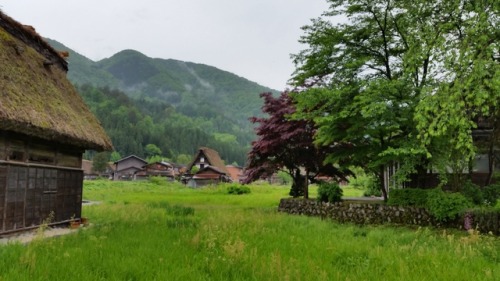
44 128
90 174
127 168
211 169
157 169
235 172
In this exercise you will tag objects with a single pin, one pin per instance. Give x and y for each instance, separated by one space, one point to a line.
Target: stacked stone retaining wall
361 212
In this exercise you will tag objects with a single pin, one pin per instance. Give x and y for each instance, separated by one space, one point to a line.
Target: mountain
173 104
193 89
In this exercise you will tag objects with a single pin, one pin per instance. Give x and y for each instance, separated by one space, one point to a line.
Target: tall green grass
145 231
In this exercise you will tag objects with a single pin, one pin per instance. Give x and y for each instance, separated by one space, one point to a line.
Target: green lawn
143 231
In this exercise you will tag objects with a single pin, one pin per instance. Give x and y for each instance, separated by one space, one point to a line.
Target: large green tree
467 91
376 81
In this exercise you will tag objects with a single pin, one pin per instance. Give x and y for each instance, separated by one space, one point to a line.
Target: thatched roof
212 159
36 98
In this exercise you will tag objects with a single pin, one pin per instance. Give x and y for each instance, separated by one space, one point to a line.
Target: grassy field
145 231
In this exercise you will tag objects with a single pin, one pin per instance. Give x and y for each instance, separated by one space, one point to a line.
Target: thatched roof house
36 98
44 128
211 169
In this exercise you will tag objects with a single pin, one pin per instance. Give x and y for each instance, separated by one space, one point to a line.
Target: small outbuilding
44 128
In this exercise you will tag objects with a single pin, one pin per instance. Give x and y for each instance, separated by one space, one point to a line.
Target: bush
409 197
446 206
473 193
329 192
238 189
491 194
373 189
487 195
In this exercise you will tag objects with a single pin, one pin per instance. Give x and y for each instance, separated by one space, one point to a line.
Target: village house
157 169
235 172
90 174
210 169
128 167
44 128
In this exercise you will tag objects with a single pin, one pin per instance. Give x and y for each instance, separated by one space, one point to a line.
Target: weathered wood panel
3 186
30 195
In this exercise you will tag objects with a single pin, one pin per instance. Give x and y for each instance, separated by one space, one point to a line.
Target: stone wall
370 212
360 212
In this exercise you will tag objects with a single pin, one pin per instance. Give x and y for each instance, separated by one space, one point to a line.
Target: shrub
238 189
373 189
491 194
446 206
329 192
409 197
473 193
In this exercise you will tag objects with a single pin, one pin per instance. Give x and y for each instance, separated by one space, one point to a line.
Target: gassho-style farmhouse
44 128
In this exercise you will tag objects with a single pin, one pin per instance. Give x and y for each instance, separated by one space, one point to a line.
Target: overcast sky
251 38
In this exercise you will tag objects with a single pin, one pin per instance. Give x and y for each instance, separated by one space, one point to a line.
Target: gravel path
28 236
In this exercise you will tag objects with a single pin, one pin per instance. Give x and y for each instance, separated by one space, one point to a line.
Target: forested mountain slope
176 105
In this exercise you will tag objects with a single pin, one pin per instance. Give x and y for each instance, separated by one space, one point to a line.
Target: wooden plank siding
28 195
38 180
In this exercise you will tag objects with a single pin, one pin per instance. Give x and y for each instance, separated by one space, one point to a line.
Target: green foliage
409 197
360 181
284 177
385 86
373 188
188 105
472 192
115 156
100 162
158 180
329 192
183 159
487 195
146 128
237 189
491 194
446 206
156 158
152 150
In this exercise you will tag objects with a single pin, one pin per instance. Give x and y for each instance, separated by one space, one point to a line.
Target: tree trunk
382 182
297 188
306 185
491 161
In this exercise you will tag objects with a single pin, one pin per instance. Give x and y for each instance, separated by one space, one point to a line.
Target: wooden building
235 172
128 167
211 169
157 169
44 128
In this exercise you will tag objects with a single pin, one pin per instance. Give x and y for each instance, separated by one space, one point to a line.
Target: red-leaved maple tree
287 144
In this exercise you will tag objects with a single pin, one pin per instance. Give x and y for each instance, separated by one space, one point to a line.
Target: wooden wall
28 195
38 180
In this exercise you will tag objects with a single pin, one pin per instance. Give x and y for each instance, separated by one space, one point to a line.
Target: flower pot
74 224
